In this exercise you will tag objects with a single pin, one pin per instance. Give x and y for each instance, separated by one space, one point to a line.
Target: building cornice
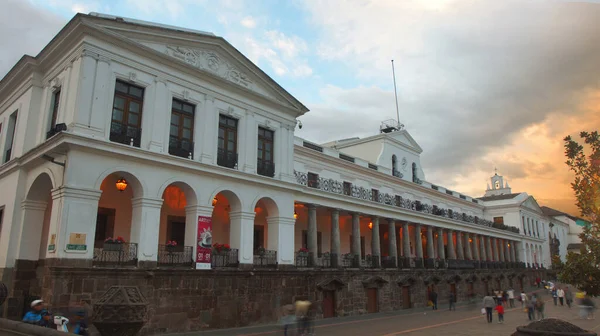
385 179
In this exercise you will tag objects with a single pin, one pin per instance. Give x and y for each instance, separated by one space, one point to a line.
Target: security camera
299 124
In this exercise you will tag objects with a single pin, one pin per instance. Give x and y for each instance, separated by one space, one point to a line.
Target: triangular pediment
404 138
206 53
532 204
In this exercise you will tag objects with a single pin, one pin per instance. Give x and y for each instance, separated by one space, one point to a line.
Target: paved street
466 320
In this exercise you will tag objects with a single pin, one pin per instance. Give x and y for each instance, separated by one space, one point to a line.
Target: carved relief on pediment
211 61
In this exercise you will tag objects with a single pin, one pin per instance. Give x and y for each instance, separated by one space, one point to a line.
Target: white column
335 237
74 210
158 117
101 108
207 143
145 227
192 212
241 235
375 245
392 244
405 240
248 153
31 230
281 238
356 235
312 235
85 91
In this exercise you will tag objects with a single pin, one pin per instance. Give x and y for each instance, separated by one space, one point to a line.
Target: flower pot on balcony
113 247
171 248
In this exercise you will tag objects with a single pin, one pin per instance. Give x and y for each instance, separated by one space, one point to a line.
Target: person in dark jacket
37 315
81 327
452 301
433 297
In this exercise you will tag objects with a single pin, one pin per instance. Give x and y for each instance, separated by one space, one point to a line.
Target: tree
582 269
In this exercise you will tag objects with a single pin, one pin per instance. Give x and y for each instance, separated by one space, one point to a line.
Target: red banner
204 243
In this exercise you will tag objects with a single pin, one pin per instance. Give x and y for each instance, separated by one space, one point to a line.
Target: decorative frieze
336 187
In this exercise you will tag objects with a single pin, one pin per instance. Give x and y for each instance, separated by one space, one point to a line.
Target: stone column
459 245
393 247
451 250
469 249
513 251
207 141
488 245
495 249
476 247
441 252
405 240
482 248
145 226
281 238
101 108
430 251
418 241
192 212
312 234
241 235
375 246
31 233
335 237
158 124
356 236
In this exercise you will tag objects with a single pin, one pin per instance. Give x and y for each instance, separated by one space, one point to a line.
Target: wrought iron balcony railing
265 259
116 255
388 262
224 258
351 260
181 147
227 159
125 134
175 256
265 168
304 259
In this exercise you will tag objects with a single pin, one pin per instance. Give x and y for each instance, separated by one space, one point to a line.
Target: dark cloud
25 29
471 82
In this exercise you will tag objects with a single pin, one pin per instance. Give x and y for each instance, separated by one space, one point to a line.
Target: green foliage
582 269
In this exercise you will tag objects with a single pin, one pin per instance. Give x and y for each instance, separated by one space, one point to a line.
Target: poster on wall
204 243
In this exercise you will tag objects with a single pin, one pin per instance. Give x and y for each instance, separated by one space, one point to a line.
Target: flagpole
395 92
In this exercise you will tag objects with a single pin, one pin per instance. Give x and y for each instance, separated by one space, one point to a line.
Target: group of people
40 316
561 295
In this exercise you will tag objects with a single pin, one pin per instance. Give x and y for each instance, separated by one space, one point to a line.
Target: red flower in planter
226 247
303 250
172 243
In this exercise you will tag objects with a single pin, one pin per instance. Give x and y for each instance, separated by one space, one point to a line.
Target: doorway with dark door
372 300
328 303
176 231
259 237
453 291
105 226
406 304
470 290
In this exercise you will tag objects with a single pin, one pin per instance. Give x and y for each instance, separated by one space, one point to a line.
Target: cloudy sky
481 84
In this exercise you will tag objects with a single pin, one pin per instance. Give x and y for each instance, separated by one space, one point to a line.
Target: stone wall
184 300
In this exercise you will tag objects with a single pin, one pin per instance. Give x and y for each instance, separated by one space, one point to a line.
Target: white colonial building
124 128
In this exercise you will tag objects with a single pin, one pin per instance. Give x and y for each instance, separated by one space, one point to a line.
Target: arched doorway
35 242
118 226
177 234
229 238
266 233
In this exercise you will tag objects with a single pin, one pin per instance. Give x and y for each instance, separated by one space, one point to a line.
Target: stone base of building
187 300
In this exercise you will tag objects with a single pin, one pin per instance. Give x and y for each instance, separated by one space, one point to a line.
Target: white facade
59 185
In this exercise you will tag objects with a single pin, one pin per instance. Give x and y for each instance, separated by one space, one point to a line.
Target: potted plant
261 251
303 252
171 246
114 244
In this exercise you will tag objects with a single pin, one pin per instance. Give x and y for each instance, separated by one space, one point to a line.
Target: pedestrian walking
523 299
531 307
539 307
511 297
500 309
554 293
304 317
499 297
561 296
433 297
488 304
452 301
568 297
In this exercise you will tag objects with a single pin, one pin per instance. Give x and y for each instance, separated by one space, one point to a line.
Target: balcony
225 258
116 255
181 147
371 261
124 134
227 158
350 260
175 256
265 259
388 262
265 168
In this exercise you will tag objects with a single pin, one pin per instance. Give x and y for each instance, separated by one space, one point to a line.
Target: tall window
499 220
227 155
127 114
313 180
374 195
347 188
414 172
10 136
1 218
55 102
265 165
394 165
181 134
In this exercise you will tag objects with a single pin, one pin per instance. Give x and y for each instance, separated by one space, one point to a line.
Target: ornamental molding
213 62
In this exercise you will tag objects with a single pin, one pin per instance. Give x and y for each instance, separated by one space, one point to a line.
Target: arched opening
394 165
265 235
114 243
414 172
37 208
228 237
177 233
